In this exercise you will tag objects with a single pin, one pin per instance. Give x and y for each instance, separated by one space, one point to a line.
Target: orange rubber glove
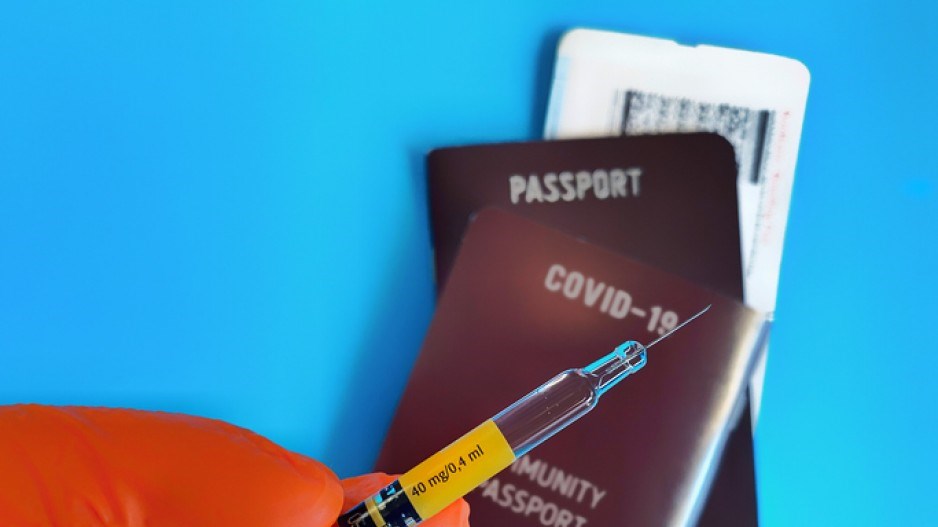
73 466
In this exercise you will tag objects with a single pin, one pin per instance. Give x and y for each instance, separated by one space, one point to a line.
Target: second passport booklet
668 200
525 302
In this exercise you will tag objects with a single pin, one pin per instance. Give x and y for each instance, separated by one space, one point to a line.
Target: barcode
745 128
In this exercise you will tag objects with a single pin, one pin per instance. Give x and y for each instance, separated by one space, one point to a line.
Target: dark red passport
524 302
671 204
668 200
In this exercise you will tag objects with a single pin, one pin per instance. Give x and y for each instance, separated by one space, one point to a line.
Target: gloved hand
73 466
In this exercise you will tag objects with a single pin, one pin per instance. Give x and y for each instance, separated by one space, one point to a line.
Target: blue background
217 208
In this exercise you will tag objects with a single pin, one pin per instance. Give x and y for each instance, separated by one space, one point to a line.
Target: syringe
482 453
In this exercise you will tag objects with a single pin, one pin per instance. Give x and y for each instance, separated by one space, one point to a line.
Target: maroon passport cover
674 209
667 200
525 302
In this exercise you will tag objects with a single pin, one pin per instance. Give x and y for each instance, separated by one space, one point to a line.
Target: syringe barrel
536 417
566 397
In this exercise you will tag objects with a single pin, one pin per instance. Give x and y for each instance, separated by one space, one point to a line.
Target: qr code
748 130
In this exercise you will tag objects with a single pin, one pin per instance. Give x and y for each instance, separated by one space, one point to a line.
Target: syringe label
440 480
454 471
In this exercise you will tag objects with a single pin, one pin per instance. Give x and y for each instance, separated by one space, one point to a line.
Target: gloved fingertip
330 493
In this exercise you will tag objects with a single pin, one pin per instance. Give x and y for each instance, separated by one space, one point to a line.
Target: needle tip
679 326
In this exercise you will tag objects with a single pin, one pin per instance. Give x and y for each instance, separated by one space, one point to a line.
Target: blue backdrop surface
217 208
